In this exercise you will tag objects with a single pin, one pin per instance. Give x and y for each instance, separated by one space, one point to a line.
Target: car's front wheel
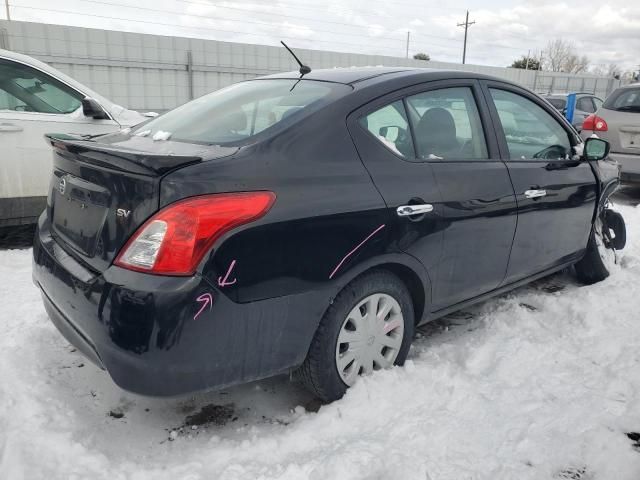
607 236
368 327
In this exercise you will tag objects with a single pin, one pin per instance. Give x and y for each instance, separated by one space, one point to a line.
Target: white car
36 99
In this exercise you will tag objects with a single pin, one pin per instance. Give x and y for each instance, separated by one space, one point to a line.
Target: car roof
630 85
563 95
374 75
343 75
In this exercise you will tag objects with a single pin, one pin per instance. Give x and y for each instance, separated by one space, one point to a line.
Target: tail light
174 240
595 123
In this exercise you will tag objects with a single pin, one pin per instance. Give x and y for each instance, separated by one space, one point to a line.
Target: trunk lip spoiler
143 162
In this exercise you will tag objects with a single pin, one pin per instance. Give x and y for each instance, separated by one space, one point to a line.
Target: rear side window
236 113
530 131
390 126
624 100
25 89
446 125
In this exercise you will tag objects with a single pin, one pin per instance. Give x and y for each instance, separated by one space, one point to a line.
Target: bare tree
576 64
560 56
611 70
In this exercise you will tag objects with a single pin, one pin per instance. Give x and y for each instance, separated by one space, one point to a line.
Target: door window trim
492 141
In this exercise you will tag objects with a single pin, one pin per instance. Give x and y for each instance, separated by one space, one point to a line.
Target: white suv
36 99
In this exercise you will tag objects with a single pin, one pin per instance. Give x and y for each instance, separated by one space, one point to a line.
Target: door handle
535 193
409 210
9 127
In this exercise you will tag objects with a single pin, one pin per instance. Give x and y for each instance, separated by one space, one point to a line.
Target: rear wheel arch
419 287
413 283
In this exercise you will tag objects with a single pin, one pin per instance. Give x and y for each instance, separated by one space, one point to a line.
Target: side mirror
596 149
92 109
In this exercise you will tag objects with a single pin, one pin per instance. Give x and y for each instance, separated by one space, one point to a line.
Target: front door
556 192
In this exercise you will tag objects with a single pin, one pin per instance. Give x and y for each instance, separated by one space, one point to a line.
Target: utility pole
466 25
526 67
408 33
6 4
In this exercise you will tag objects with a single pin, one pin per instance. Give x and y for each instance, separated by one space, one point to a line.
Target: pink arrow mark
224 282
207 300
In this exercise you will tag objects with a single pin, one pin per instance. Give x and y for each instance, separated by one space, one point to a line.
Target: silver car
618 122
586 104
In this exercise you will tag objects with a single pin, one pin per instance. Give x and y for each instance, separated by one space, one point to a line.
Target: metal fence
154 72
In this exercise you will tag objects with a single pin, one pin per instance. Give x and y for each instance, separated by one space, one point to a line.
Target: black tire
319 372
615 222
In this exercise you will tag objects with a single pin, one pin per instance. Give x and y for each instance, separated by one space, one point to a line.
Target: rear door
444 158
555 191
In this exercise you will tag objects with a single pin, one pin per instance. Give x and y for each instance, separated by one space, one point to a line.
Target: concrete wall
154 72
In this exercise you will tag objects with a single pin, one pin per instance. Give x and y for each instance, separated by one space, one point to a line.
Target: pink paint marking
390 326
224 282
354 250
207 300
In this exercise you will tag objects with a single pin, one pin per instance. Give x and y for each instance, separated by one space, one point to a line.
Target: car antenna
304 69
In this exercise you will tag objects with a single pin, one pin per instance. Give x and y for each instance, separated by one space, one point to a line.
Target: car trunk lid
101 192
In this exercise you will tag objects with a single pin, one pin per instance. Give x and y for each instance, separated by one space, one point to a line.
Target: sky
607 32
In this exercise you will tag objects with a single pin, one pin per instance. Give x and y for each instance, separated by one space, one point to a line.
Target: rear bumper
146 332
630 166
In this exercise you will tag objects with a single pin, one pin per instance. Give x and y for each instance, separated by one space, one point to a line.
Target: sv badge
122 213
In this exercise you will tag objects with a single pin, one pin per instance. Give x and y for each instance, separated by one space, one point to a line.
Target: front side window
446 125
235 114
530 131
584 104
597 102
26 89
390 126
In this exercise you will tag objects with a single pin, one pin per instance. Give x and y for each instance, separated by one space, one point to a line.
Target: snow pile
161 135
543 383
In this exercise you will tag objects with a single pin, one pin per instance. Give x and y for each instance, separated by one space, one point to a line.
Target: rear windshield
237 113
624 100
559 103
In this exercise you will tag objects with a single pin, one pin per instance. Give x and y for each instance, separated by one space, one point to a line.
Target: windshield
624 100
237 113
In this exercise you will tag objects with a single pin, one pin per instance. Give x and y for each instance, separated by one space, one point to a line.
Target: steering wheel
554 152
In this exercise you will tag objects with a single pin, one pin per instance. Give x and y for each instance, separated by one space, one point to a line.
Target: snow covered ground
543 383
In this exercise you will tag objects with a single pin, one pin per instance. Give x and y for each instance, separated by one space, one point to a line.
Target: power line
466 25
215 30
243 20
258 22
324 9
269 24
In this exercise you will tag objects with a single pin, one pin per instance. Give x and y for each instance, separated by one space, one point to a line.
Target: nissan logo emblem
62 186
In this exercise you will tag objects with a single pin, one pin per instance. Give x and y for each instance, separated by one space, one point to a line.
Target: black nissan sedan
308 224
